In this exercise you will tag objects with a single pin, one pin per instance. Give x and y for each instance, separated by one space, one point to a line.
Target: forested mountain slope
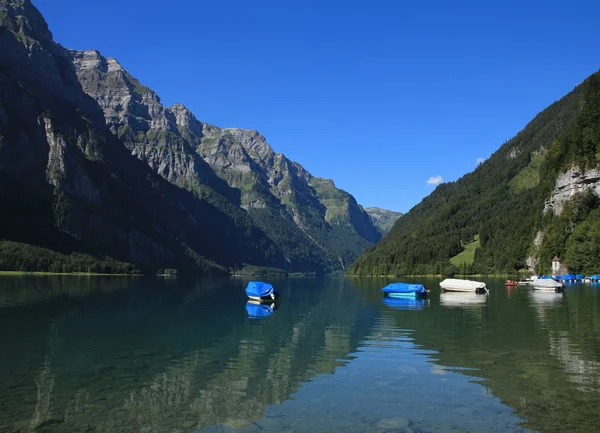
508 201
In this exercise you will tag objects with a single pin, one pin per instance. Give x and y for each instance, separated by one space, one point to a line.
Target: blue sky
384 97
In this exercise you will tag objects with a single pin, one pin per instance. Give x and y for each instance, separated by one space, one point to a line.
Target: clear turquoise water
125 355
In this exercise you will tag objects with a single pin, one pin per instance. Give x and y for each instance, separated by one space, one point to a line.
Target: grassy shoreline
518 274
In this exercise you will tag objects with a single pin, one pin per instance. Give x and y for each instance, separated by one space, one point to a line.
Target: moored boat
458 285
546 284
259 291
404 290
510 283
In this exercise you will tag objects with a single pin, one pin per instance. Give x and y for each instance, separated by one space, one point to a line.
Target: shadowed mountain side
66 181
86 150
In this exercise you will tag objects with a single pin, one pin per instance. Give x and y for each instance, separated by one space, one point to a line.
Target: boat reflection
542 297
260 310
464 300
406 303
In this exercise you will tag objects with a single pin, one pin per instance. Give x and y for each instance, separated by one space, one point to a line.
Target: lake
111 354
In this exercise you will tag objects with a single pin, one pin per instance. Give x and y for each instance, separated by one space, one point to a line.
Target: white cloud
480 160
435 180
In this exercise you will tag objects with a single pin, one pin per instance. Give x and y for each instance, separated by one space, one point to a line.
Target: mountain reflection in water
120 354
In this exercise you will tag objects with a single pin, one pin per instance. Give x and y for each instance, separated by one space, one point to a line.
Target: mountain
316 225
383 219
534 198
87 150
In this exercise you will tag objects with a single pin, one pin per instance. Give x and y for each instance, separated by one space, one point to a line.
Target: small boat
510 283
260 310
404 290
259 291
456 285
546 284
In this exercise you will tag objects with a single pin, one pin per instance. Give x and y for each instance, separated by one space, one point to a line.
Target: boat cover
462 285
405 288
547 283
259 311
258 289
404 303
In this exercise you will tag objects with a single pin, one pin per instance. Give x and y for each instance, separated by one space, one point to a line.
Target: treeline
16 256
505 209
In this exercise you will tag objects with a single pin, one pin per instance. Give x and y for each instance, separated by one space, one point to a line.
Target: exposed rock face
69 184
572 182
70 122
533 259
317 226
383 219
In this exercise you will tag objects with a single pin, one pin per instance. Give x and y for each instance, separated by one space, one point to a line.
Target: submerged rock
392 423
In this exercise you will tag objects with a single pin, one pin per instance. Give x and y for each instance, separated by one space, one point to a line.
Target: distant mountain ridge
536 197
98 153
383 219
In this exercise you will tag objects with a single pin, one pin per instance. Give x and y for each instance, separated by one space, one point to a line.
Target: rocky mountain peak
23 18
89 59
190 127
254 143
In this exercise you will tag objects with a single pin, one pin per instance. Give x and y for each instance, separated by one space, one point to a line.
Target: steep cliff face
317 226
69 184
568 184
82 143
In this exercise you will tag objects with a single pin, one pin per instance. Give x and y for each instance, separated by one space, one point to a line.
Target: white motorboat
457 285
546 284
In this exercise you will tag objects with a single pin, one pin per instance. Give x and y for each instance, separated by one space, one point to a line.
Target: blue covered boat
405 303
404 290
259 310
259 291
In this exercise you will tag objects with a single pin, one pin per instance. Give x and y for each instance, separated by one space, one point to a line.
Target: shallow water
134 355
